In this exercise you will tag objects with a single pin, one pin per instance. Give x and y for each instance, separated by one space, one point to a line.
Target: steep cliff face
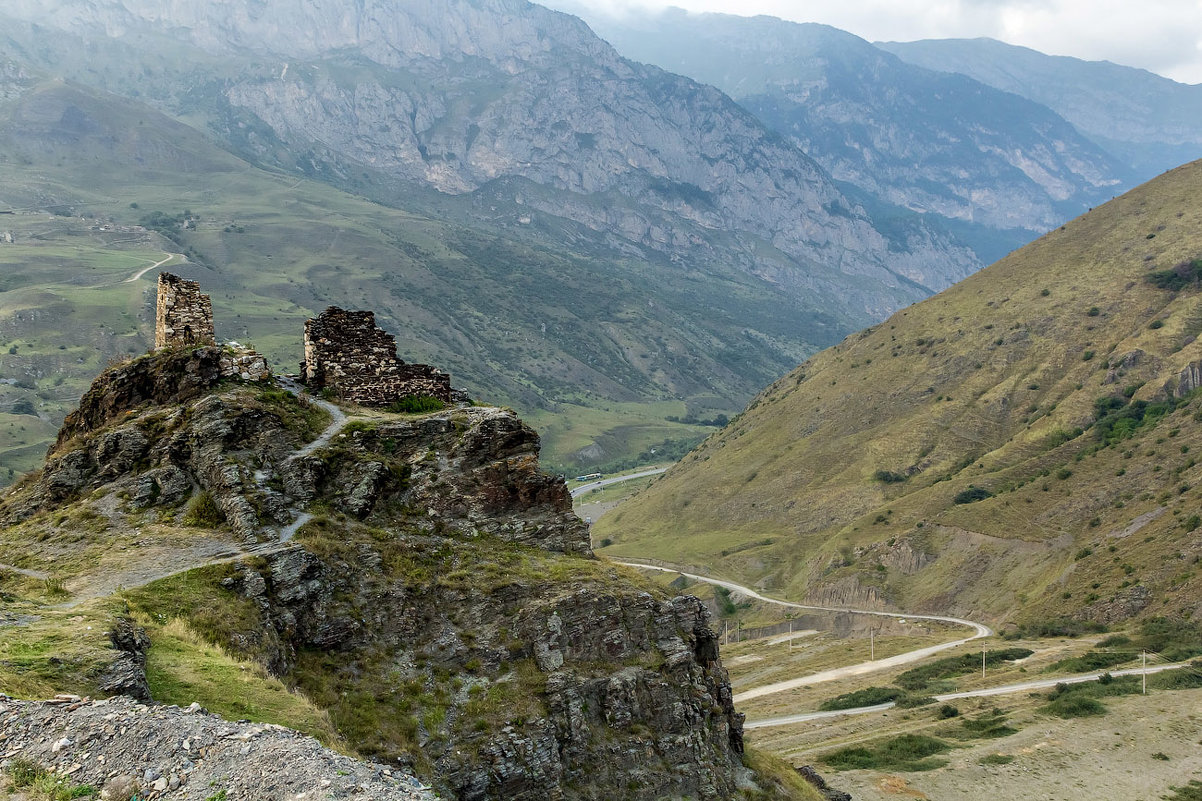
908 136
1149 121
415 576
454 95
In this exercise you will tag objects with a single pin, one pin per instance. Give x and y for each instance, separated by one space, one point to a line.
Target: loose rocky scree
122 747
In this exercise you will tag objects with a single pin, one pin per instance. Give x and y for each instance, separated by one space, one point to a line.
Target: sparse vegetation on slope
1040 484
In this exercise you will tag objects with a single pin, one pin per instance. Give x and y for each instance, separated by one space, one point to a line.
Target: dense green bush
203 511
1178 277
1074 706
417 404
909 752
972 494
867 697
920 677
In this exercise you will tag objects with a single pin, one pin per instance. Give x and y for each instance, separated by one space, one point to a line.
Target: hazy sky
1164 36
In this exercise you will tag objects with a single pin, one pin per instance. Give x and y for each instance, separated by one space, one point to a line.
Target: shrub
1094 311
913 700
948 711
918 678
908 752
972 495
889 477
867 697
1190 792
203 511
1178 277
1074 706
417 404
1091 660
996 759
1156 324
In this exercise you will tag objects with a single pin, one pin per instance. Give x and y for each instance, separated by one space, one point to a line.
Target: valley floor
1143 746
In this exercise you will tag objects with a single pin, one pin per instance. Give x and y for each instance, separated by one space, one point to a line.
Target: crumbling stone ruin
346 352
184 317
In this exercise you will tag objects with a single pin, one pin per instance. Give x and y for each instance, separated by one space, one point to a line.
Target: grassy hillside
598 344
1020 446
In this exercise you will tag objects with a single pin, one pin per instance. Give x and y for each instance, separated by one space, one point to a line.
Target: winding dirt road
154 266
1008 689
979 630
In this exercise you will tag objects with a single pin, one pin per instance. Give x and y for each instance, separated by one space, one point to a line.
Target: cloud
1164 36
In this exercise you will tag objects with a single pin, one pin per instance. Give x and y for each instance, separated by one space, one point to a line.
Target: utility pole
790 635
1144 653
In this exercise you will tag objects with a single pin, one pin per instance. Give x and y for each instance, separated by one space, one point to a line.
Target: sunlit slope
840 481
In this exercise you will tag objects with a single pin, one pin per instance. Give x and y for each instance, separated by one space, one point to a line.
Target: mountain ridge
1150 121
918 138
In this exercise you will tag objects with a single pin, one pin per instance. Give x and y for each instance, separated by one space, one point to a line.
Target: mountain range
1148 121
607 246
622 211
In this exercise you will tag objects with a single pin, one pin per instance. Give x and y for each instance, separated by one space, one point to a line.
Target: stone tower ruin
185 316
346 352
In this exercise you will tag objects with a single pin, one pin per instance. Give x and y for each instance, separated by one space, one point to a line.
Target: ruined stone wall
347 352
184 316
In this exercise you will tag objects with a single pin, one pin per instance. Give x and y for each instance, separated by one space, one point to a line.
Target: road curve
160 263
605 482
1008 689
979 630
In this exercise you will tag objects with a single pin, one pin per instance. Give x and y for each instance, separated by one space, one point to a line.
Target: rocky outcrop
473 470
613 692
441 602
170 378
129 750
127 676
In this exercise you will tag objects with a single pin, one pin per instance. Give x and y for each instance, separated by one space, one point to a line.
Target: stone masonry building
184 319
346 352
184 316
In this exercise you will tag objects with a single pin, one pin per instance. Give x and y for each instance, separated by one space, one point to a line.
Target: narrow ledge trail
213 553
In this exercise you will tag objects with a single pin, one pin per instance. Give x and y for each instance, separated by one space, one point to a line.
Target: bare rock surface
171 753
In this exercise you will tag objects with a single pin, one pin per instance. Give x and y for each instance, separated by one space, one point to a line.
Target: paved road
605 482
979 630
1009 689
